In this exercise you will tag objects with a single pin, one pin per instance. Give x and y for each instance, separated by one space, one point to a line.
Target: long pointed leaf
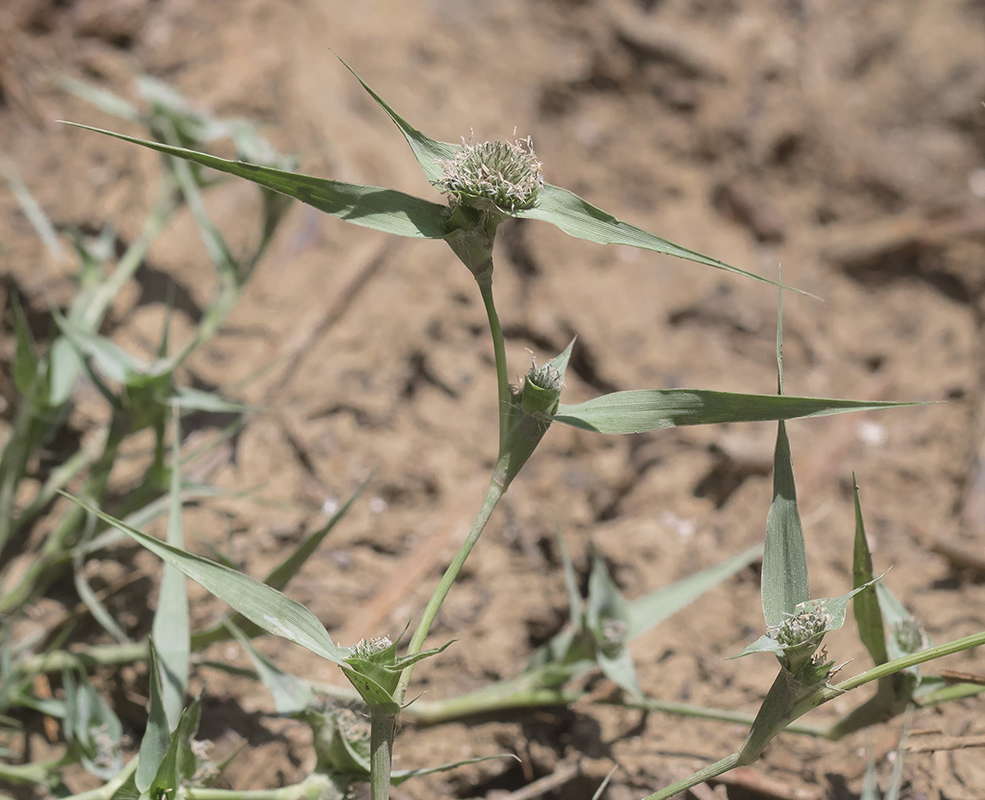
373 207
256 601
428 152
642 410
784 557
171 628
580 219
868 616
157 736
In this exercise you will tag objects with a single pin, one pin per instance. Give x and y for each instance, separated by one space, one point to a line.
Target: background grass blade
641 410
171 629
650 610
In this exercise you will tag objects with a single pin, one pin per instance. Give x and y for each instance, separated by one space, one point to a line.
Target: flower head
493 176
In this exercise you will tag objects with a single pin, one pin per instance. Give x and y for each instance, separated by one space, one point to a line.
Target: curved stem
499 349
441 591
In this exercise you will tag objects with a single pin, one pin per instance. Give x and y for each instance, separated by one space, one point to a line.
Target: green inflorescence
491 176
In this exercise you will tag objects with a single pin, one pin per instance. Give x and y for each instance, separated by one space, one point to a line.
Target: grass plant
484 184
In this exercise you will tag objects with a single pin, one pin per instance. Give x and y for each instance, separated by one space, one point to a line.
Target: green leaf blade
868 615
784 580
171 627
385 210
258 602
157 736
580 219
650 610
642 410
428 152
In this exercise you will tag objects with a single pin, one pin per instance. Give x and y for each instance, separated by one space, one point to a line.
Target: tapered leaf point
493 177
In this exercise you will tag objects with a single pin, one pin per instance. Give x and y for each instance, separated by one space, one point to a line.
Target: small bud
800 635
541 390
908 636
498 177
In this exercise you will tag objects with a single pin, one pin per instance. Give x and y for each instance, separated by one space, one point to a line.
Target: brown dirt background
844 140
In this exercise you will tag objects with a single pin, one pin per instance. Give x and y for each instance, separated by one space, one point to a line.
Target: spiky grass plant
485 184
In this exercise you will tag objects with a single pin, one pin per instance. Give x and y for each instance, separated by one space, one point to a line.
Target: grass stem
499 350
444 586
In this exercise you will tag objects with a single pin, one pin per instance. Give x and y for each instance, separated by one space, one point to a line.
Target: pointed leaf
384 210
555 205
784 580
291 694
607 617
171 628
650 610
638 411
157 736
427 151
25 361
868 616
267 607
179 761
580 219
189 399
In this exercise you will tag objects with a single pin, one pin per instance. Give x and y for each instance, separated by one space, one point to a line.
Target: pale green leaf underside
579 218
642 410
373 207
256 601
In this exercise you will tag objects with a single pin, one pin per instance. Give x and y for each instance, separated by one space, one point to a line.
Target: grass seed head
493 176
800 634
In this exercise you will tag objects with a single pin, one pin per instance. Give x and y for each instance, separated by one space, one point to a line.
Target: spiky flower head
493 176
368 648
800 634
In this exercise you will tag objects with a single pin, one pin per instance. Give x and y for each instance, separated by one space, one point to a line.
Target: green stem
499 349
521 692
718 715
899 664
383 727
444 586
702 775
317 786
